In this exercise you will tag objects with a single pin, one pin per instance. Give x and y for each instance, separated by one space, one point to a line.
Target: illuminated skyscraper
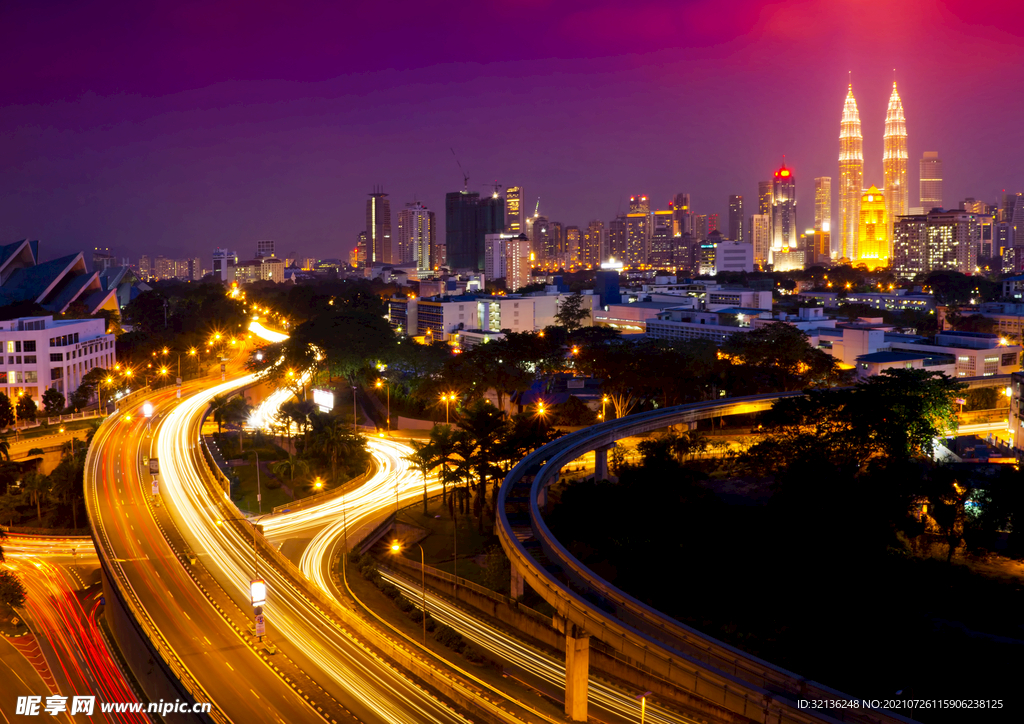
873 236
764 197
760 236
931 181
894 162
617 237
639 204
378 228
851 177
823 203
784 230
416 236
736 218
514 210
591 249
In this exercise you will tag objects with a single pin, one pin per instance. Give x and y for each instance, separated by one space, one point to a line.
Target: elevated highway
727 683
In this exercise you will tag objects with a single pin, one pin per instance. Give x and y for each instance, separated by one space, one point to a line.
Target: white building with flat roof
40 353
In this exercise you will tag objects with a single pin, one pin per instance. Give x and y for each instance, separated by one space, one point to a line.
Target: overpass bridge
727 683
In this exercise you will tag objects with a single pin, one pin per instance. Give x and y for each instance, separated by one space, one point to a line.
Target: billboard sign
324 399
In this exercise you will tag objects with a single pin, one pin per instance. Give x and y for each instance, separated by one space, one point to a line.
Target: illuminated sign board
324 399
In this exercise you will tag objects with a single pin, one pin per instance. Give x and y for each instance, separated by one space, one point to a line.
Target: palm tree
8 508
485 424
5 449
290 467
37 487
442 443
217 405
422 459
237 412
332 440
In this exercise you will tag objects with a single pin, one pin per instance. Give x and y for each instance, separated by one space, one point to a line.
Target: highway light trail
228 554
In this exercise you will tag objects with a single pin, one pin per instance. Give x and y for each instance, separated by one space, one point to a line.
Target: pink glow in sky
180 127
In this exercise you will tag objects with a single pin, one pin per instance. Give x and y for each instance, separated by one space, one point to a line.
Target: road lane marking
186 615
255 694
229 666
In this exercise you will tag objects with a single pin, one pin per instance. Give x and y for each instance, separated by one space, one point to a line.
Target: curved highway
727 678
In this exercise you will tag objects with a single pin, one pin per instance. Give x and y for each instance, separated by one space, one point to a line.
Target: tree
572 312
6 411
26 408
237 412
8 509
53 401
12 591
290 467
37 487
332 440
422 460
5 449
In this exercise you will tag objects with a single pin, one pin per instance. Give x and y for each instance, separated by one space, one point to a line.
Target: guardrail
121 587
719 673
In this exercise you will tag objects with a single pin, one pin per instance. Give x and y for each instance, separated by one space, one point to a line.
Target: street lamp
384 383
396 548
604 399
643 705
354 410
450 397
257 586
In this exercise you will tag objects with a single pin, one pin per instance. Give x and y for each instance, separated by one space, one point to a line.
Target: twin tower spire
872 245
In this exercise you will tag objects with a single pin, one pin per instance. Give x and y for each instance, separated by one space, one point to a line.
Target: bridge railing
721 673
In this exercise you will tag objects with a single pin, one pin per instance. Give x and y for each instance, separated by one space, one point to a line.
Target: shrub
450 638
404 604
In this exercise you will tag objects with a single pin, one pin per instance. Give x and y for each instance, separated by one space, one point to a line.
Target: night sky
177 127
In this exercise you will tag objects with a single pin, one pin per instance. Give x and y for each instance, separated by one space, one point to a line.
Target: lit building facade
851 177
592 248
378 228
823 203
761 238
517 262
931 181
784 228
764 197
924 243
736 218
873 239
416 236
894 161
514 210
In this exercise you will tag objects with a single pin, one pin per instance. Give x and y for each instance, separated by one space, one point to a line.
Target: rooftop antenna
465 178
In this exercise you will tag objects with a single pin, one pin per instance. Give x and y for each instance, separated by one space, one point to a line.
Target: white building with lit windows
42 353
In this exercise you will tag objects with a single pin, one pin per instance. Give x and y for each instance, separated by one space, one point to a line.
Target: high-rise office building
573 239
683 221
761 238
931 181
851 177
894 162
514 210
264 247
461 229
617 238
496 255
764 197
223 263
712 223
592 245
541 238
873 237
359 258
823 203
785 234
144 267
416 236
378 228
517 262
556 243
639 204
736 218
700 227
638 237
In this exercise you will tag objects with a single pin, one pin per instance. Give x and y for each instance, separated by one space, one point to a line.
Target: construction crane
465 178
496 186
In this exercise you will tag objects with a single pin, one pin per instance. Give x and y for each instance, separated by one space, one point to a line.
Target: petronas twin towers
862 241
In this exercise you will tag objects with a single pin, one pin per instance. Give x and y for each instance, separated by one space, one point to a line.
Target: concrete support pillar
542 500
601 462
517 587
577 672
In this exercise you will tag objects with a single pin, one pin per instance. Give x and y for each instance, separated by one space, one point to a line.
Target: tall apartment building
764 197
223 260
496 255
925 243
517 263
468 219
416 236
265 247
514 210
639 205
540 237
851 177
736 218
761 238
638 237
592 245
823 203
931 181
617 237
378 229
573 242
682 216
145 268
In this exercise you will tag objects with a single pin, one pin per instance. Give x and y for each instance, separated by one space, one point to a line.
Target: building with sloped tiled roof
55 285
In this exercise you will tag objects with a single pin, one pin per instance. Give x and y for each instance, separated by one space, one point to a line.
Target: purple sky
177 127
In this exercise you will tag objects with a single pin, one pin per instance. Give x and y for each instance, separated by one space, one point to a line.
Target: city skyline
159 153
